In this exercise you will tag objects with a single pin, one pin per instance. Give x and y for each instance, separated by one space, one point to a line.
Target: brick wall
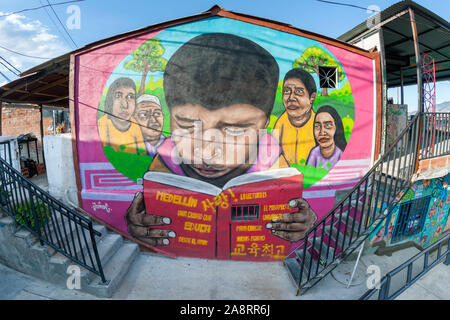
17 121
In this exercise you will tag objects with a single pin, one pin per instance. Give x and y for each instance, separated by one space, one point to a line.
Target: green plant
4 195
24 214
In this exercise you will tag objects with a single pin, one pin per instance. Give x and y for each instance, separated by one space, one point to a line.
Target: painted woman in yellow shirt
295 127
117 128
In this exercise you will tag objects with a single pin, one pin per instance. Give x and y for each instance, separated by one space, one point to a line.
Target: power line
13 72
76 46
5 76
348 5
10 64
379 11
23 54
36 8
54 23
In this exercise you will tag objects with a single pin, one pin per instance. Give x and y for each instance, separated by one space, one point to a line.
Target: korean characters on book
224 223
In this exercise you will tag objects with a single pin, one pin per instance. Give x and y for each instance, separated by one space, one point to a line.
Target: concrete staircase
22 251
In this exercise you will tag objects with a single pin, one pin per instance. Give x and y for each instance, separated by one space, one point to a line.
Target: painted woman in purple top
329 137
317 160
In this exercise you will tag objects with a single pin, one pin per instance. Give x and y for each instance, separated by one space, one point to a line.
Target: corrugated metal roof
395 26
389 13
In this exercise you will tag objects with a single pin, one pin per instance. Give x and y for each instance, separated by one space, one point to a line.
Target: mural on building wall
218 139
437 213
397 120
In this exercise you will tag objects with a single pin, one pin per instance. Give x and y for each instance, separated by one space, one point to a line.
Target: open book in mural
235 220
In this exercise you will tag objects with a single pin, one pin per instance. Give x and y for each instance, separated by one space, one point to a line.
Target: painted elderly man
150 117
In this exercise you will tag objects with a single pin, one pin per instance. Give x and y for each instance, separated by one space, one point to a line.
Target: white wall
370 41
15 161
59 166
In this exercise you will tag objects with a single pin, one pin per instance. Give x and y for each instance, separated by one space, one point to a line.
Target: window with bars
411 218
328 77
244 213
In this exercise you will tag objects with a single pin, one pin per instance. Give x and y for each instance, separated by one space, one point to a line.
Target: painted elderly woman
329 137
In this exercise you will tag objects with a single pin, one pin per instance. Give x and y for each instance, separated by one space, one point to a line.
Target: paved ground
432 286
160 278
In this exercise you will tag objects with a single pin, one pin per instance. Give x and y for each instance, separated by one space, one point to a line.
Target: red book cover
227 223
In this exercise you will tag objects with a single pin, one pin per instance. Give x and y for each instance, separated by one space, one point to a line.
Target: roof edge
390 12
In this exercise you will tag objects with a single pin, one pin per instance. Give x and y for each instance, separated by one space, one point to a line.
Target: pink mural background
106 193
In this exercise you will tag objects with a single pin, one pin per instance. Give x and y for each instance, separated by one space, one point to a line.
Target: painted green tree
312 58
147 58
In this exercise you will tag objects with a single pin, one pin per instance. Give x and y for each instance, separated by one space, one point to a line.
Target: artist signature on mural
100 206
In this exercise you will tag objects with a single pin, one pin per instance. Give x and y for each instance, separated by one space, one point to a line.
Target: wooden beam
1 112
377 26
73 126
45 87
413 38
420 106
51 101
31 79
42 132
409 38
28 92
402 87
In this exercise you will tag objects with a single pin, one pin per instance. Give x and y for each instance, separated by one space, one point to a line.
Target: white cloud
30 37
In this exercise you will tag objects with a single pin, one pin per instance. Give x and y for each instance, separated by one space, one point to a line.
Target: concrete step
293 266
325 259
68 236
106 247
115 270
310 266
27 236
9 223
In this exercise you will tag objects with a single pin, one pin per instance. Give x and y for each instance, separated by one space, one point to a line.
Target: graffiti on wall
397 119
437 213
211 139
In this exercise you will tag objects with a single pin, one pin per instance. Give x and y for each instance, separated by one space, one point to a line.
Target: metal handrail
383 287
363 209
54 223
436 135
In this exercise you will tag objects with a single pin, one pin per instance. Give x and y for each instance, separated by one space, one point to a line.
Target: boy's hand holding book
139 222
294 226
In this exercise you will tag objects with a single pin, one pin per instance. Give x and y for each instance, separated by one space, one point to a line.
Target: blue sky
38 33
273 41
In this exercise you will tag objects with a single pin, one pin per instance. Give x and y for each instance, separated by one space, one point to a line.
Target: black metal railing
435 140
362 210
382 290
55 224
6 151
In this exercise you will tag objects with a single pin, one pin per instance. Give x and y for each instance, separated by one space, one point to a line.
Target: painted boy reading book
219 88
